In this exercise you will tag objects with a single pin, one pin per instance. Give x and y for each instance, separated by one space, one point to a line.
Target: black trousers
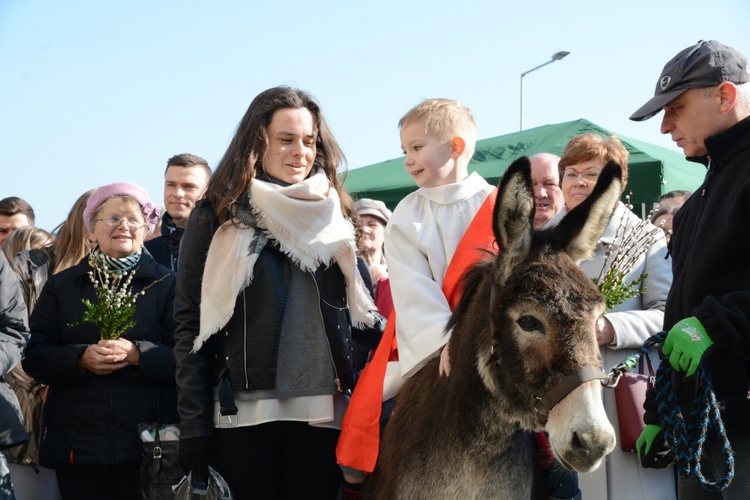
99 482
278 460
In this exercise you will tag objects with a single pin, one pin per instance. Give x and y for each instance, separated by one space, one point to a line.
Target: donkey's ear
582 227
514 211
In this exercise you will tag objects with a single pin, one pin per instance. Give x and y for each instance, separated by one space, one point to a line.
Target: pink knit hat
136 192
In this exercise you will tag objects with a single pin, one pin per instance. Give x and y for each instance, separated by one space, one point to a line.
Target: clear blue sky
96 92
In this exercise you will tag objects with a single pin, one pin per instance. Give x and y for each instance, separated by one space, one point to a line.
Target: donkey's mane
470 284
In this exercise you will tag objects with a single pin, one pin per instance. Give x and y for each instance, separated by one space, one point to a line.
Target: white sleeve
646 315
422 311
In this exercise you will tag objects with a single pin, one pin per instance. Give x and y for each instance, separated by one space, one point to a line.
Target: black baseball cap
705 64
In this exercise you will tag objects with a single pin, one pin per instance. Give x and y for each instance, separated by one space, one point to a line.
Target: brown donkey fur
525 322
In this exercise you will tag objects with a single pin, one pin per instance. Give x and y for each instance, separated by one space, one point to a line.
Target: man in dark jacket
185 181
705 96
14 332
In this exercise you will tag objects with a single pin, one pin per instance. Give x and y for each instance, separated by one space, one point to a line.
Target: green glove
652 450
686 342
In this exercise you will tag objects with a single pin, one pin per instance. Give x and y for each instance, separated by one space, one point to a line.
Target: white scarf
306 220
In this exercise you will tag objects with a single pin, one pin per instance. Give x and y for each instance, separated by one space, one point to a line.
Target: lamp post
555 57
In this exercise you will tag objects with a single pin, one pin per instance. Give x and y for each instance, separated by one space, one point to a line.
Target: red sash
359 441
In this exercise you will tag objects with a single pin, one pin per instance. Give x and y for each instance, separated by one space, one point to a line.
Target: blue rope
686 438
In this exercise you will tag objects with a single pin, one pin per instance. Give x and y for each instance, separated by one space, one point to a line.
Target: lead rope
686 440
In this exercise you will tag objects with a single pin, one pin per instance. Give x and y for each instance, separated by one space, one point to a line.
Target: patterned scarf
115 266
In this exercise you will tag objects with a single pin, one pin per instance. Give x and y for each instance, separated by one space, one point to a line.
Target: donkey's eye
529 323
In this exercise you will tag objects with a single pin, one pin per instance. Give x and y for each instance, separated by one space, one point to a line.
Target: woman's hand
101 360
605 332
124 347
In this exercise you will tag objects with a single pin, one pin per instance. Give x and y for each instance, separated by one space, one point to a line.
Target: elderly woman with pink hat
100 390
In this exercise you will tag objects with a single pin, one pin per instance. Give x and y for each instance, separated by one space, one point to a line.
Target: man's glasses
113 221
590 174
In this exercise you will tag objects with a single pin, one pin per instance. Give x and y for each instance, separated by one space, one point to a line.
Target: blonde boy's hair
445 119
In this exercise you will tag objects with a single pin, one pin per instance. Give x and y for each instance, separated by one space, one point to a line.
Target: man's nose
666 124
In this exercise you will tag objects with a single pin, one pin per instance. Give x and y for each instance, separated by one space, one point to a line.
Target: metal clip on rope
626 365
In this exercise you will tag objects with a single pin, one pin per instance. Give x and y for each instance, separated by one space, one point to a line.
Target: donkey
524 357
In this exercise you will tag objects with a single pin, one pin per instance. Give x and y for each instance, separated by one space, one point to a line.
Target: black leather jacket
259 308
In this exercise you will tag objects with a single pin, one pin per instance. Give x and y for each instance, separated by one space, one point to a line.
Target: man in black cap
705 96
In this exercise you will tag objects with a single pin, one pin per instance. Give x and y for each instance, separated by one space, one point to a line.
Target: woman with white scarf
269 295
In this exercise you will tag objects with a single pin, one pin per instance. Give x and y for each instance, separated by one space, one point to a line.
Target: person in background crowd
101 389
705 95
26 238
662 218
14 213
33 267
624 327
545 178
185 181
275 325
29 481
14 332
373 216
71 244
668 205
676 198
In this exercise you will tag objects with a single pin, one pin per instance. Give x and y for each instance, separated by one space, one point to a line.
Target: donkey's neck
472 403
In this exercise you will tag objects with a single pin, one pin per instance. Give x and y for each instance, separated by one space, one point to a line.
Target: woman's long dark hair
245 154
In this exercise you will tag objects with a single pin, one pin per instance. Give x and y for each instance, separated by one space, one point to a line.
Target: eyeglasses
113 221
590 174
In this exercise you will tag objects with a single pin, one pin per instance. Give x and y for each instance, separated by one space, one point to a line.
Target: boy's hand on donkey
445 362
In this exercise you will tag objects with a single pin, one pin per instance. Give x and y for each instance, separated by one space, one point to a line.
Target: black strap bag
160 460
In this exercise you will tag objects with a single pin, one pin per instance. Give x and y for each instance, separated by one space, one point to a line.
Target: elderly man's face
691 118
547 194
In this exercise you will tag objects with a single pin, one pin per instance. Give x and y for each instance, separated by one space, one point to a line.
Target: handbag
630 393
160 460
160 457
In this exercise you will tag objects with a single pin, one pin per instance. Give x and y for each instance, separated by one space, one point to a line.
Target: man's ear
458 146
728 94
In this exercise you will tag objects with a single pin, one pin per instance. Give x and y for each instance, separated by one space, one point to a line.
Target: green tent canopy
652 170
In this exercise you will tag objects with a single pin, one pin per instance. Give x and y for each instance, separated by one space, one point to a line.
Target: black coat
711 267
13 336
93 419
165 249
265 300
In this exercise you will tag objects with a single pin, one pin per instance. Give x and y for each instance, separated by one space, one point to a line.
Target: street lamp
555 57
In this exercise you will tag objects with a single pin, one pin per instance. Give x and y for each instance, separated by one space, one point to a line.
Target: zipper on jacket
337 380
708 178
690 251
